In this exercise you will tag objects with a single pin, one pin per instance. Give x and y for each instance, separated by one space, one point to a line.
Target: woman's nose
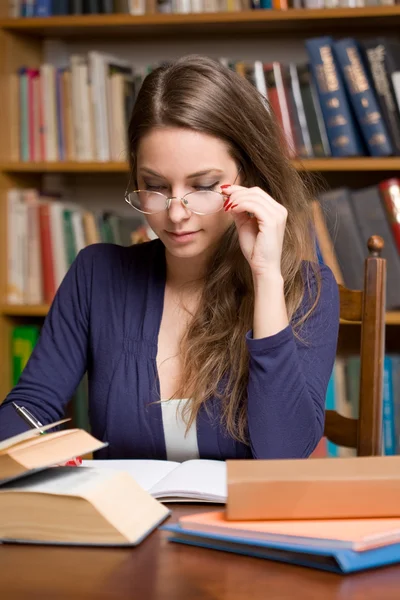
177 210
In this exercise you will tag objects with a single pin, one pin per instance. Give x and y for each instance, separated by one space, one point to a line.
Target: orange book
354 534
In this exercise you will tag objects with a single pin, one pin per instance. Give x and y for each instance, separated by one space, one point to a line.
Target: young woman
218 338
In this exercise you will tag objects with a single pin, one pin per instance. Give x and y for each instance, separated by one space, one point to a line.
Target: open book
31 451
74 506
198 480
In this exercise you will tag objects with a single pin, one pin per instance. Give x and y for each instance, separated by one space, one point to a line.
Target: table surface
161 570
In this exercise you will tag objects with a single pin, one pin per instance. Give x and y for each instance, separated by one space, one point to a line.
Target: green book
69 236
23 341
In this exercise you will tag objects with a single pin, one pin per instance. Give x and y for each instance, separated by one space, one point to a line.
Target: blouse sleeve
58 361
288 379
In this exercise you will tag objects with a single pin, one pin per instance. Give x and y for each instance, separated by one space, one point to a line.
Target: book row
345 219
45 234
345 101
51 8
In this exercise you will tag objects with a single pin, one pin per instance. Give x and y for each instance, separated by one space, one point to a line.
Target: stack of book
339 515
69 505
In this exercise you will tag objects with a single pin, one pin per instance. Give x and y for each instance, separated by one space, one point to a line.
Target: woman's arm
59 359
288 379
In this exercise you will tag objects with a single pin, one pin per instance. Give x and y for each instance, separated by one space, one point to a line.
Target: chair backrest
367 306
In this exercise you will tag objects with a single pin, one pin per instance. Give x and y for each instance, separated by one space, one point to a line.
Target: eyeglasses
204 202
201 202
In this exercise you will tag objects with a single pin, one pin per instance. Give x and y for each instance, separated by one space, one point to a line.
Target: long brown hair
201 94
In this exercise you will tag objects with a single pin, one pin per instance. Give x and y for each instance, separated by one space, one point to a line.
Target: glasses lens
147 202
205 202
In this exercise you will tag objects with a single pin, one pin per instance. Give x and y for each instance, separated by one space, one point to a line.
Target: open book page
197 479
66 481
147 473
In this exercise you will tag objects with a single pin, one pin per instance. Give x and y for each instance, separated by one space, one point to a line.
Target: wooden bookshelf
362 164
22 43
226 23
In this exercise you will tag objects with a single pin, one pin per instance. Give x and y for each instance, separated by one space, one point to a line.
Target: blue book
43 8
325 557
362 97
388 417
343 135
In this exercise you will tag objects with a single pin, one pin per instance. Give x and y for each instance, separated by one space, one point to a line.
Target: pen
28 417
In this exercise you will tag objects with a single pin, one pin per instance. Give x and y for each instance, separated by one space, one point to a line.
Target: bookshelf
22 41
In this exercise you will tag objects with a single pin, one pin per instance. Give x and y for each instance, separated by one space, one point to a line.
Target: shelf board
225 23
64 167
312 164
41 310
24 310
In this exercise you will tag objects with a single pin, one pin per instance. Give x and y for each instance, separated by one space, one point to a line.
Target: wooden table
161 570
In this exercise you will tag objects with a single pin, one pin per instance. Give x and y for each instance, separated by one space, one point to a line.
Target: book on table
43 503
338 545
197 480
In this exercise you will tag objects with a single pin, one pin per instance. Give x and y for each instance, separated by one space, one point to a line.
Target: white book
33 291
58 241
197 480
16 249
48 93
99 63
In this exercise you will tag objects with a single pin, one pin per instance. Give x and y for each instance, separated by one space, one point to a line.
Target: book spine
372 220
390 193
43 8
374 53
362 97
49 285
343 136
388 423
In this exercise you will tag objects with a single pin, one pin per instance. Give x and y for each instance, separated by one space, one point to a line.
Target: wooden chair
367 306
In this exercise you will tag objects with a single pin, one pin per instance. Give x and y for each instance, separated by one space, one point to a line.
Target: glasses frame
168 199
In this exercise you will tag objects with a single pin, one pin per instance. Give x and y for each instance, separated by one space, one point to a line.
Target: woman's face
176 161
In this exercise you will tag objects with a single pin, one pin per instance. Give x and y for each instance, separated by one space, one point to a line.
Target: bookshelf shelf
223 22
315 165
41 310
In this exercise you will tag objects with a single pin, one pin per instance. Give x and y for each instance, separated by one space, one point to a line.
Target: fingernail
225 185
226 201
233 206
228 206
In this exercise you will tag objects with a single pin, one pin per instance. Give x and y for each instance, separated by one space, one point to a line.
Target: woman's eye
155 188
207 188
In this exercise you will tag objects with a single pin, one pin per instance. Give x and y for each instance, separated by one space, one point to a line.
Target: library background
70 71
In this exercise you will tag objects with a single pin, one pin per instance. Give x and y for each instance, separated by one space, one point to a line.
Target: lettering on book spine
328 83
358 84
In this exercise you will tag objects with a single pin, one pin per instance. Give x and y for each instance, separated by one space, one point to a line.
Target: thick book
371 219
73 506
325 488
198 480
363 97
338 546
33 451
343 134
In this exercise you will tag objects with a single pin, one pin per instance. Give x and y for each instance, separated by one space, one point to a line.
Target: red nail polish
226 201
225 185
233 206
227 207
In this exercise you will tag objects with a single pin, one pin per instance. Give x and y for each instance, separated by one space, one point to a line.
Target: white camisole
180 447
